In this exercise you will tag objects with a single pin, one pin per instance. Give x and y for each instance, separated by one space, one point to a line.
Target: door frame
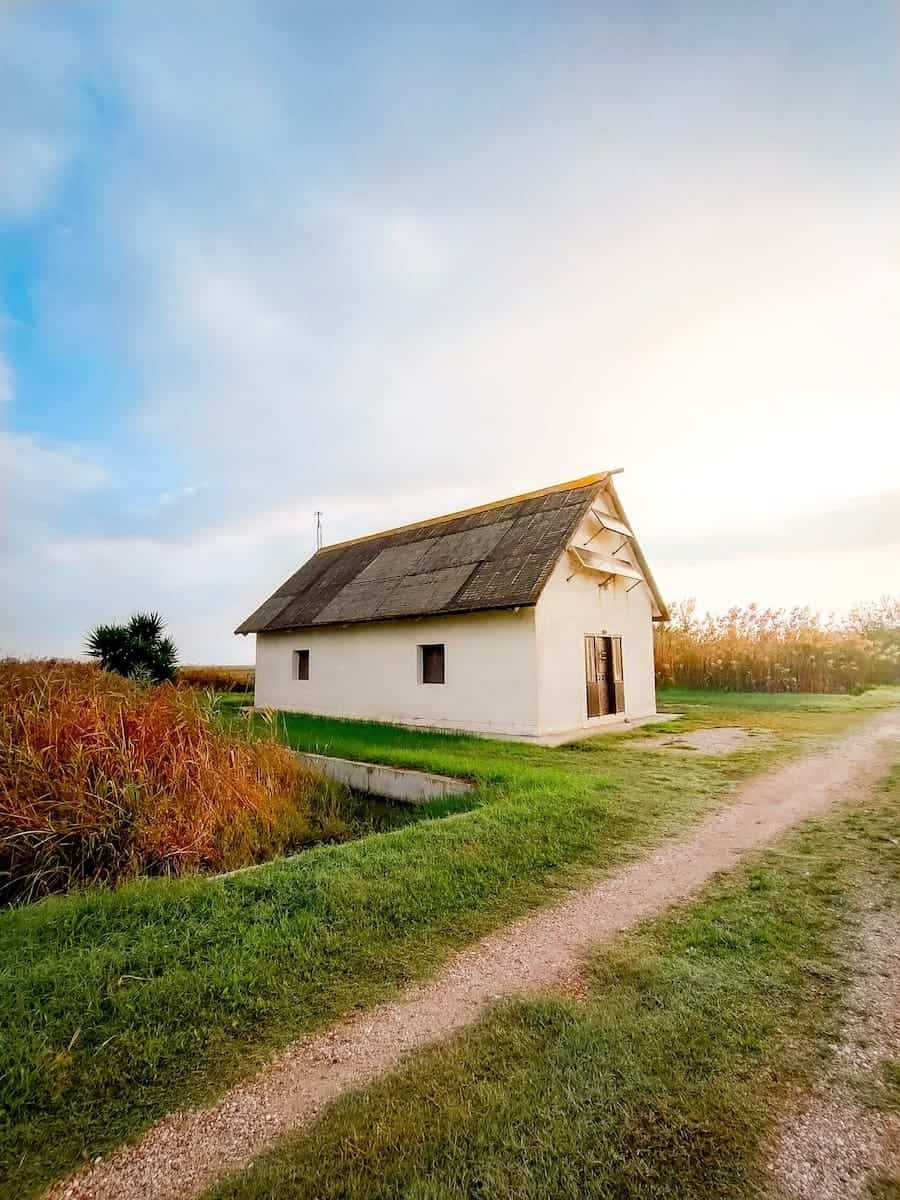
610 689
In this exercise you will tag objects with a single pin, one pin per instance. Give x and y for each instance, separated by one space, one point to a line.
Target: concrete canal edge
391 783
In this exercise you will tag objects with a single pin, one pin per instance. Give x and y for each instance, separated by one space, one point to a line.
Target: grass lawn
792 717
116 1007
674 699
665 1083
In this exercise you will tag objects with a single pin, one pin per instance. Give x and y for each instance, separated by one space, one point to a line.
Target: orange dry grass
101 780
217 679
773 650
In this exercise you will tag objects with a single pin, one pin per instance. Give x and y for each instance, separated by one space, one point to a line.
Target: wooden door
603 675
596 664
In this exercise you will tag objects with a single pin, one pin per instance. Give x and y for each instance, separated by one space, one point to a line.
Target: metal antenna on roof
318 515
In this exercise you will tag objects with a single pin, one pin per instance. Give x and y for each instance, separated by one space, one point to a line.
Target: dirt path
833 1143
181 1155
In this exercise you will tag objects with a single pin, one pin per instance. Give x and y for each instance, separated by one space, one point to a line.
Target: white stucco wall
371 672
568 610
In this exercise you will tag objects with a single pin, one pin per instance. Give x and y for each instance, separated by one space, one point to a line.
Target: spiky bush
138 650
102 780
752 649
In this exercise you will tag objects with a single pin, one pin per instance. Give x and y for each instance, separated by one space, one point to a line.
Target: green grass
788 715
673 699
367 815
884 1092
665 1084
116 1007
233 699
884 1188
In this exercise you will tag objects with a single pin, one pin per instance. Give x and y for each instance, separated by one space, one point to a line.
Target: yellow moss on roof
569 485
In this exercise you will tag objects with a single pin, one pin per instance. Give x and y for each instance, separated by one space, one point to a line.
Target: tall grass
752 649
217 679
102 780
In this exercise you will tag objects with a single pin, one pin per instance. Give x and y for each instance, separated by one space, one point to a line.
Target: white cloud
40 110
207 296
33 164
391 247
696 352
6 381
40 487
167 499
285 533
36 475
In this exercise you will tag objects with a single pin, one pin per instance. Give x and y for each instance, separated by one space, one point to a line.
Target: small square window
431 661
301 664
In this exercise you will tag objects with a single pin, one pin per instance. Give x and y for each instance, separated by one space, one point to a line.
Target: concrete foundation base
578 735
558 739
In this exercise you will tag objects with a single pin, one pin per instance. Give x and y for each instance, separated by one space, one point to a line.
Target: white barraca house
530 617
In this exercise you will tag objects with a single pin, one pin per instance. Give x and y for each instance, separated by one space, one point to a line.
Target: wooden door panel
618 677
603 675
596 664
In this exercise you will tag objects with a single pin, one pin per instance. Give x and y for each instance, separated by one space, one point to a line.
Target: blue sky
384 261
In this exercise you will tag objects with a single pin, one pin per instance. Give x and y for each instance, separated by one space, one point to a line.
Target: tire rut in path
186 1151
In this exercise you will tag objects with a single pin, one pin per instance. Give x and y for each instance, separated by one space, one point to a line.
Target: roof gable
496 556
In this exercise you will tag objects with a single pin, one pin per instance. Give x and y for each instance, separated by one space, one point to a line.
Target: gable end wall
570 609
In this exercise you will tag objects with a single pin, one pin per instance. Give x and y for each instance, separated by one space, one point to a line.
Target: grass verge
118 1006
664 1084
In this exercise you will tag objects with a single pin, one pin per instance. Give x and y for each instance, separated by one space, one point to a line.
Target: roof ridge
569 485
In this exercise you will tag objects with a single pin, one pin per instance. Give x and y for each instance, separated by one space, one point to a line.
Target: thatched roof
499 555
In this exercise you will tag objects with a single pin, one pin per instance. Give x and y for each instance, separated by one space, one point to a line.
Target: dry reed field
102 780
217 679
752 649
